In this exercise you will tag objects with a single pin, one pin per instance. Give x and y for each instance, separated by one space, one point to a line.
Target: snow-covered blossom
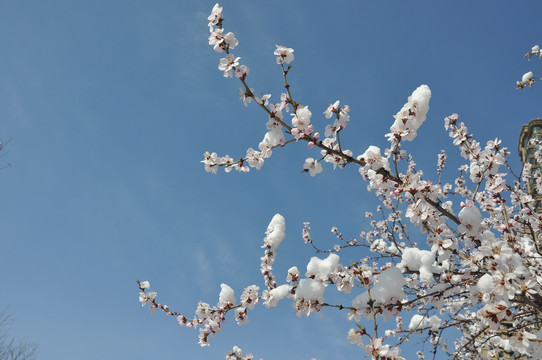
273 137
527 77
322 268
310 289
272 297
485 285
478 273
276 232
227 295
412 115
470 218
419 260
293 274
419 322
144 285
388 289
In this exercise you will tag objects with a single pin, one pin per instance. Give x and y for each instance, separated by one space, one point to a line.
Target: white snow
322 267
415 259
485 284
390 285
413 114
276 231
273 137
310 289
227 295
276 295
419 322
527 77
470 218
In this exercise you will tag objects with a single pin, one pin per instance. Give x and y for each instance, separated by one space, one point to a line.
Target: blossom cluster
528 79
300 128
475 264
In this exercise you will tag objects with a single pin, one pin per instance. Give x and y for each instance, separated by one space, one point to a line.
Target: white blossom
284 54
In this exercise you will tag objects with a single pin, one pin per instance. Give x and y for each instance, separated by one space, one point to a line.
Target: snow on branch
474 265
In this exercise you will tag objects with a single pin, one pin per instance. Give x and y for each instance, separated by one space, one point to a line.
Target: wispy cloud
204 271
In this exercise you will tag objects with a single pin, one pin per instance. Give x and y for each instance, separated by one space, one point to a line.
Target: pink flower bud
310 145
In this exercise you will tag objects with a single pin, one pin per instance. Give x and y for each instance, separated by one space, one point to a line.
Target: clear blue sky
109 106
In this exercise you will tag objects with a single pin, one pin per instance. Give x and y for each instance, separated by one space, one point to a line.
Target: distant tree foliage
11 348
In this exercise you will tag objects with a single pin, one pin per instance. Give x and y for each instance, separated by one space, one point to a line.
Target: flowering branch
528 78
477 271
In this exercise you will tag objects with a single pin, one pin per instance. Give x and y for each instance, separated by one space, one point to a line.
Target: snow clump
322 268
413 114
276 232
388 288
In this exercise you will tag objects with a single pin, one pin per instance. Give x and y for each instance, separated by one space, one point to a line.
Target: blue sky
110 105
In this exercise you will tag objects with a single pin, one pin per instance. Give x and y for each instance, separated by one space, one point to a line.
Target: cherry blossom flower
241 72
312 166
263 99
215 17
221 42
243 95
302 117
284 54
332 109
413 114
227 64
249 298
254 158
477 270
374 159
144 285
238 354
